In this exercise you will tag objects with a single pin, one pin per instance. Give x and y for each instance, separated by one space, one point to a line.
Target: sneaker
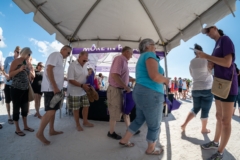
210 145
137 132
216 156
114 136
56 98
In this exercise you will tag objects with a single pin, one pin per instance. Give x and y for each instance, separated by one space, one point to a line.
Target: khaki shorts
115 103
75 102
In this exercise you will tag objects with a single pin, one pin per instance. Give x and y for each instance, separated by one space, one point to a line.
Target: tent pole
166 75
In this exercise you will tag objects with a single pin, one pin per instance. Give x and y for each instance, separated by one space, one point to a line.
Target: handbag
221 87
30 91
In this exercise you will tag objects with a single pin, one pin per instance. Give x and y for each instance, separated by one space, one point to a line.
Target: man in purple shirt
118 81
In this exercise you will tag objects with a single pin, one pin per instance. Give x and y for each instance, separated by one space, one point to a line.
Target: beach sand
93 143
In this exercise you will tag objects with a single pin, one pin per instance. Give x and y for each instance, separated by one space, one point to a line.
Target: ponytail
220 32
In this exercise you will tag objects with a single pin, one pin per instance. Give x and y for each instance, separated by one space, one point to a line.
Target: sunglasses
29 55
17 52
69 53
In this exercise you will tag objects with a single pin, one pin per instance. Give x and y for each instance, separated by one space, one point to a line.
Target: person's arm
51 78
31 71
75 83
152 68
13 71
119 81
224 62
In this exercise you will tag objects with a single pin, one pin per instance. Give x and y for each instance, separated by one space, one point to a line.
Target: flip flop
156 151
29 129
10 121
20 133
128 144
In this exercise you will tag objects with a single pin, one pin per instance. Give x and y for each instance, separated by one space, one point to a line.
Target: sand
93 143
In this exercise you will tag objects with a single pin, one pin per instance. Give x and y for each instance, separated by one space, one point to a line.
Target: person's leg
114 100
44 121
52 131
126 120
8 100
206 105
76 117
235 105
219 113
227 108
86 123
36 101
238 100
153 114
196 108
24 113
16 112
134 126
85 103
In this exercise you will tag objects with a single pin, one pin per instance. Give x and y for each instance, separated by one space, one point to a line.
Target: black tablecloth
98 109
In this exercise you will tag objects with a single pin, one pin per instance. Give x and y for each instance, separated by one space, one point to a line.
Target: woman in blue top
148 95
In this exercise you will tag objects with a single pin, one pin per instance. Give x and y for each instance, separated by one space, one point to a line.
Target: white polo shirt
78 73
55 59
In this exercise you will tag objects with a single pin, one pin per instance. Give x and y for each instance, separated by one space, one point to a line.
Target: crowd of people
148 92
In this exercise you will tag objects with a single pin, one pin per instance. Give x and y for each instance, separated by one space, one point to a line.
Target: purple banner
95 49
107 69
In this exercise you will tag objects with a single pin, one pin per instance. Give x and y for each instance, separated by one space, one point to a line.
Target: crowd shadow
168 151
206 153
236 118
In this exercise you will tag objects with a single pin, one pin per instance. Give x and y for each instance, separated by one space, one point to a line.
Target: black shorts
47 99
7 92
180 90
169 90
230 98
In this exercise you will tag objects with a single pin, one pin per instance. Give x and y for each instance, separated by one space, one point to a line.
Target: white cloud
10 54
34 61
46 47
11 5
2 59
1 14
2 44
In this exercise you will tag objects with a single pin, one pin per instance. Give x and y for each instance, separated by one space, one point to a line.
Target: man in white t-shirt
52 84
77 97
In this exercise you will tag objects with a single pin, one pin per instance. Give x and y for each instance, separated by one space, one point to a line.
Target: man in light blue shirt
7 64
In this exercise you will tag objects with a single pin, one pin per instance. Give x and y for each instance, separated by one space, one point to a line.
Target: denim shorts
149 109
202 100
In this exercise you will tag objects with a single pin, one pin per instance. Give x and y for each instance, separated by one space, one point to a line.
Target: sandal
128 144
29 129
10 121
156 151
20 133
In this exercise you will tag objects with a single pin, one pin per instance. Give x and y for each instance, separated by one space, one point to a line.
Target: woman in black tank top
36 86
19 73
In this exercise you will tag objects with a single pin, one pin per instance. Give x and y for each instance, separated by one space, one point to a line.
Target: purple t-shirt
223 47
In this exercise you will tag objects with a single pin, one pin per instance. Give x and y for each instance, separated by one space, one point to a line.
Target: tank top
20 80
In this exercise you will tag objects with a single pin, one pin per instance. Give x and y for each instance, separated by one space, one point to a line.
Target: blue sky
17 28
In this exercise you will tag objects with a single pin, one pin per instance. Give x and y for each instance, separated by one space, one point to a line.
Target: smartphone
195 50
24 62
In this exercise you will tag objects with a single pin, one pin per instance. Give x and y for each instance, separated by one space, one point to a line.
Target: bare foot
39 116
88 124
79 128
206 131
53 133
183 127
43 139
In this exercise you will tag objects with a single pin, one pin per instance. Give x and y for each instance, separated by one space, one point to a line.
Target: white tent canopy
125 22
